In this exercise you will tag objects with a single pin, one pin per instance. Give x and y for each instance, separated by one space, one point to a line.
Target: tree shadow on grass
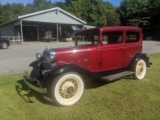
26 93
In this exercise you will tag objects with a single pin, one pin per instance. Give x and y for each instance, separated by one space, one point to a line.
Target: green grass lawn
125 99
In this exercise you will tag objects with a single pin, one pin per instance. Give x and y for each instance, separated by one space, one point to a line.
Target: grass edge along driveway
121 100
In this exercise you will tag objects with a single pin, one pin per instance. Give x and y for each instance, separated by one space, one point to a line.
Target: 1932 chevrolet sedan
105 53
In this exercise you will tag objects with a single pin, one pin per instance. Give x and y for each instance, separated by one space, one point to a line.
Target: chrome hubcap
70 90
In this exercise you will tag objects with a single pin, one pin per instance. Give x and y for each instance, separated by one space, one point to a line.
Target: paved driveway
17 58
151 47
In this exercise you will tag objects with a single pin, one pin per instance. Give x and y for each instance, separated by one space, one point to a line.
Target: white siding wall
7 30
53 17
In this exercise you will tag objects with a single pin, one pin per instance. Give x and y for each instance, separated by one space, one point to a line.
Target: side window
112 37
88 38
132 37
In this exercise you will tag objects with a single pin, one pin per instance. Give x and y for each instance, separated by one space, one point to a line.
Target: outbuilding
50 24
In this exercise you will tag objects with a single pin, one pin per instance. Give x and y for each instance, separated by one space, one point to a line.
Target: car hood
65 49
72 49
77 55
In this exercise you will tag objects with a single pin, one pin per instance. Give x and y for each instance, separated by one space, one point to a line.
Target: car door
113 52
133 44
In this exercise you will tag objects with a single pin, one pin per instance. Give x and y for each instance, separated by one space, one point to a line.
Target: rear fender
142 56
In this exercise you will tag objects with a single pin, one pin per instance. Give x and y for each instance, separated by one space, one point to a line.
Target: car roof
111 28
119 28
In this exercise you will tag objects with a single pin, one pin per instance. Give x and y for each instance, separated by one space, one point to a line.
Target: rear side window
132 37
112 37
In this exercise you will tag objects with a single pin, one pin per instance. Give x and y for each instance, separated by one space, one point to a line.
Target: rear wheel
3 45
139 69
67 89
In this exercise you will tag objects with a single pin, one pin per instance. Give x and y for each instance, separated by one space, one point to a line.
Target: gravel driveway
17 58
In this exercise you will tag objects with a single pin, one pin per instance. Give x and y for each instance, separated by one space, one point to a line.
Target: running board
116 76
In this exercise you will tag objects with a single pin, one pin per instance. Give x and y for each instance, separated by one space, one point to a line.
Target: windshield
90 37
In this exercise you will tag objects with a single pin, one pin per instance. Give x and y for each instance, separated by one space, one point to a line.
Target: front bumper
28 81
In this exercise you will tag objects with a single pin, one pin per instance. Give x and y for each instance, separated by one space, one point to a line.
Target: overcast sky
114 2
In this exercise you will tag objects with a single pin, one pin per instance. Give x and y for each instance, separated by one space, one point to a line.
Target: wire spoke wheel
67 89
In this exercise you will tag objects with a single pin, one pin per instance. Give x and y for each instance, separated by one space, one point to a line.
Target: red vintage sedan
106 53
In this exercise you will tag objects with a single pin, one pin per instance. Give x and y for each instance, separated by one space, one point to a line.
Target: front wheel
139 69
4 45
67 89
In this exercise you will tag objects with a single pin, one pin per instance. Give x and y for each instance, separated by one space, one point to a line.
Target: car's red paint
102 57
106 53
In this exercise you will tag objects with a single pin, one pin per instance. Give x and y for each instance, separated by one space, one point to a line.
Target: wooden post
21 25
57 32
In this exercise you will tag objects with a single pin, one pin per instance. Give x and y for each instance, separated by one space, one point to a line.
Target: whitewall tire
140 69
67 89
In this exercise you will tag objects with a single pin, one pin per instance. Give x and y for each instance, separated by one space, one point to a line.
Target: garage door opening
30 33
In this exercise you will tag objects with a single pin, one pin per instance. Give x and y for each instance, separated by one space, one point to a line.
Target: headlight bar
49 56
38 56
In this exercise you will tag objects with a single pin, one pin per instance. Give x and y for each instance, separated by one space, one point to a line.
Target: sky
114 2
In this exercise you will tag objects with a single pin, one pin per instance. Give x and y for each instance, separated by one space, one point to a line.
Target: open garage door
30 33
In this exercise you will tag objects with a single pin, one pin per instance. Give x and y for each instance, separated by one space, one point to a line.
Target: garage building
50 24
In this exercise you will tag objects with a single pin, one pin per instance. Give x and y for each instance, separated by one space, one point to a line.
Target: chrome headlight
49 56
38 56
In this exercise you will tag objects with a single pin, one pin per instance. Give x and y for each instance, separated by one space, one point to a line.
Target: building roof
41 12
49 10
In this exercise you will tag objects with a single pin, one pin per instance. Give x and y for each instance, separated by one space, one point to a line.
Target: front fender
68 67
56 71
35 73
33 64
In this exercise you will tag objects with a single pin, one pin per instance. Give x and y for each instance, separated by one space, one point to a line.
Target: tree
111 15
42 4
29 9
133 12
142 13
38 5
154 21
92 11
9 12
61 5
